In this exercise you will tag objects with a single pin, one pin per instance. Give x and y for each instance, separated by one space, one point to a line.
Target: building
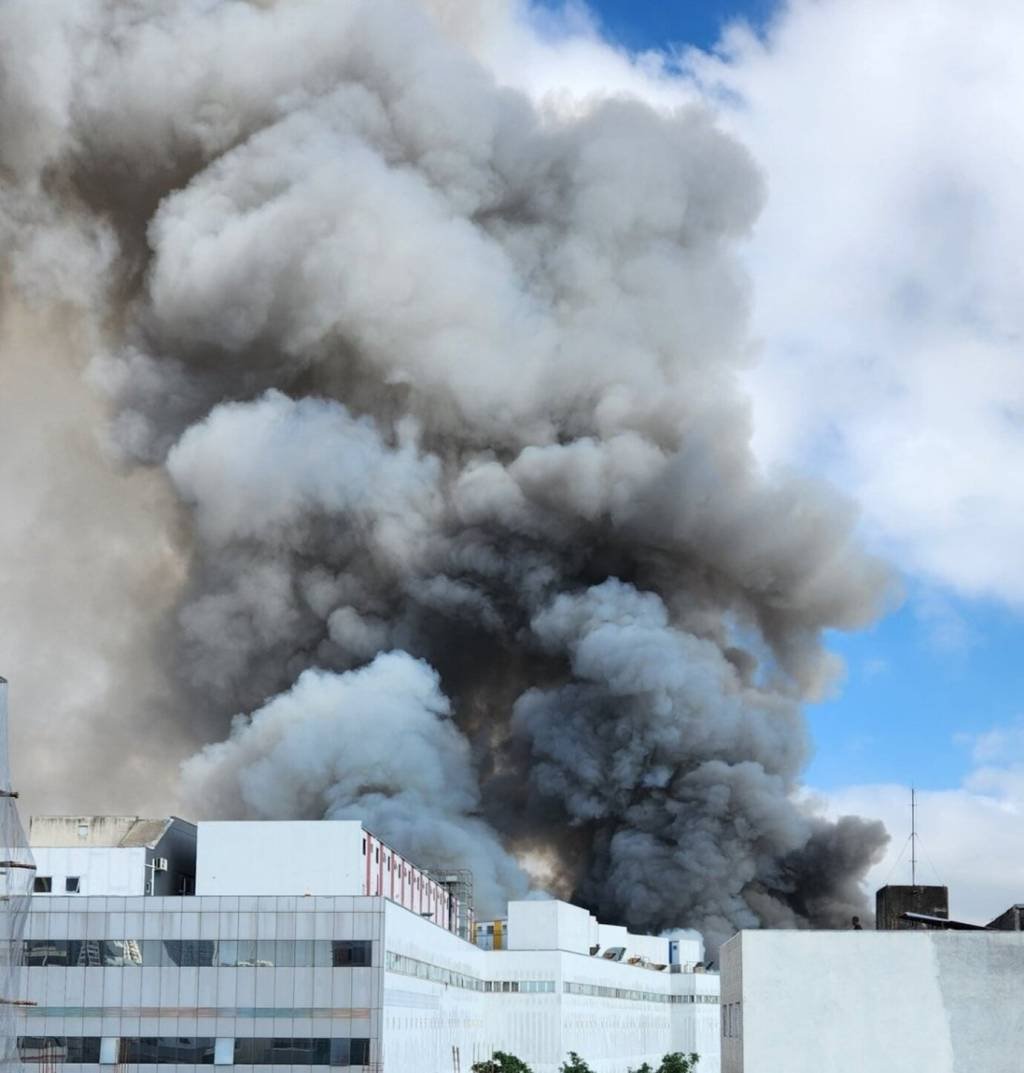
940 999
315 944
125 855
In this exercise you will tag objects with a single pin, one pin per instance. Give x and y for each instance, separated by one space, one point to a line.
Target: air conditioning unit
159 864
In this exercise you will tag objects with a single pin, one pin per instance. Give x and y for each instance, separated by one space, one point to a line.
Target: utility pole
913 837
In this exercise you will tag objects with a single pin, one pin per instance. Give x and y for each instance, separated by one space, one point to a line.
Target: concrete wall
847 1002
264 857
550 925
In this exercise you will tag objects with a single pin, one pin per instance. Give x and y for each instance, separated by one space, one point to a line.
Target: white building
126 855
302 947
851 1001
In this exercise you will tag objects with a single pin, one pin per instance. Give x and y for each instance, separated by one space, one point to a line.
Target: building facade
904 1001
282 959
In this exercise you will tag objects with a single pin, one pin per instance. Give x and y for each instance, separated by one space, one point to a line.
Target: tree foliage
678 1063
500 1062
575 1065
672 1063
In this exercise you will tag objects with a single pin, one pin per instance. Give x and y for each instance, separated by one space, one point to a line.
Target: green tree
500 1062
645 1068
678 1063
575 1065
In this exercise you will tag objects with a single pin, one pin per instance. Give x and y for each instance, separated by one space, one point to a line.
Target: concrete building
301 947
902 1001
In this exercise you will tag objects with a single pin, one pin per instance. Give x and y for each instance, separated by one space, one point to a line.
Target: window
43 885
167 1050
376 855
302 1052
51 1049
73 885
350 952
228 953
364 847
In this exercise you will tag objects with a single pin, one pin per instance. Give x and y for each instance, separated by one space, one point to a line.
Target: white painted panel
280 858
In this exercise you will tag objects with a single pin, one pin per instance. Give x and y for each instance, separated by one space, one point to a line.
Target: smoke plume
445 384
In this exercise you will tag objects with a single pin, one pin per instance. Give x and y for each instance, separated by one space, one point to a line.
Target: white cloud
888 298
887 290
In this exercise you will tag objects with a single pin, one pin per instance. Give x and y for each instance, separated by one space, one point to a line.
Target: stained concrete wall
846 1002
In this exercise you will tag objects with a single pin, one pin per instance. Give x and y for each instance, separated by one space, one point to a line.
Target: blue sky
943 668
643 24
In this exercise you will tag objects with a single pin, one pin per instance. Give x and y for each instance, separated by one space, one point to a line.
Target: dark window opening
42 885
167 1050
302 1052
73 884
351 952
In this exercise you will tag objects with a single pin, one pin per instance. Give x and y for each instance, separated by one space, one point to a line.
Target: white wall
319 857
101 869
846 1002
550 925
424 1019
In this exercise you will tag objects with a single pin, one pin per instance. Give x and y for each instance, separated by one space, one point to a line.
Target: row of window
230 953
535 987
170 1050
732 1020
44 885
411 967
635 996
423 970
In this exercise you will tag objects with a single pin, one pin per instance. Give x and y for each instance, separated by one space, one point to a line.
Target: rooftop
58 832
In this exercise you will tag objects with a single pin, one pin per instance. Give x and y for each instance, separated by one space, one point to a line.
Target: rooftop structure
124 855
892 903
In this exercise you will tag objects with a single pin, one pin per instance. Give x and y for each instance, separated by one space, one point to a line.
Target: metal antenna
913 837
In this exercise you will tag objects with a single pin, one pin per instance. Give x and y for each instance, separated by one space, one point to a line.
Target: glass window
166 1050
296 1052
350 952
302 953
51 1049
121 952
42 885
72 884
266 953
46 952
359 1054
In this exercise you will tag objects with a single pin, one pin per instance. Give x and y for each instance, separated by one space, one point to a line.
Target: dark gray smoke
447 383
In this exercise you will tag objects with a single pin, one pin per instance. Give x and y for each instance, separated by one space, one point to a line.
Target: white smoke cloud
448 378
376 744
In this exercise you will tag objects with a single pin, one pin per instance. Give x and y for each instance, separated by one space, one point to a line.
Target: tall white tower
17 872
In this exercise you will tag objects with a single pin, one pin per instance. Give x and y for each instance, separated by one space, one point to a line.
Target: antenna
913 837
